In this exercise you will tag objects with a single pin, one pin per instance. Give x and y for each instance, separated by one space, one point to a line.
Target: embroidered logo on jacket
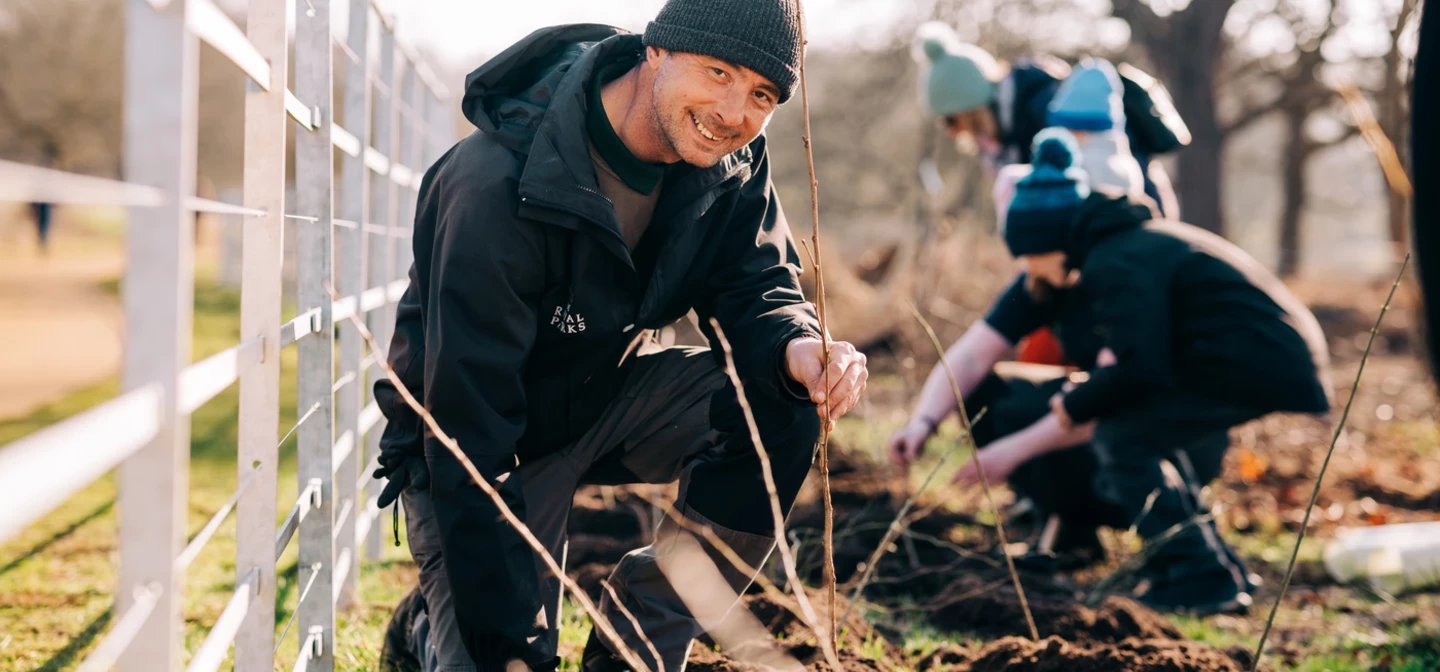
566 321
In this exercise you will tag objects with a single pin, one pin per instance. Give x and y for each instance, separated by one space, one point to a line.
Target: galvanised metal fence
352 226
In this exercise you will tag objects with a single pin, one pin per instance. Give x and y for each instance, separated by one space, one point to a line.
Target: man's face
707 108
1047 272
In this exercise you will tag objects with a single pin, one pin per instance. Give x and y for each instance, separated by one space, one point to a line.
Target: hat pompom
1055 148
933 40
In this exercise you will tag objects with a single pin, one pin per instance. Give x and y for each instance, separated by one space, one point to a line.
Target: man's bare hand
805 360
1057 406
908 443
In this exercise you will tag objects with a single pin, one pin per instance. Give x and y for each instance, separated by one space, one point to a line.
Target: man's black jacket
524 298
1179 307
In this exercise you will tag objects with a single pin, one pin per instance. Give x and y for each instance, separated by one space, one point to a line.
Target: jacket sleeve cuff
1085 403
794 388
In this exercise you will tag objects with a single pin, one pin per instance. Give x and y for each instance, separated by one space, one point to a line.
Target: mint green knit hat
954 77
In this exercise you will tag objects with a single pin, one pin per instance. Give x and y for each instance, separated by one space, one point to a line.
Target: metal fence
396 120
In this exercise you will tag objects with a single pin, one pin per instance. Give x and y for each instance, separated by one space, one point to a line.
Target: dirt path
61 330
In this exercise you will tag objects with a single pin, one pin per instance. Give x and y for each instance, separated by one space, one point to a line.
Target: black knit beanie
763 35
1047 200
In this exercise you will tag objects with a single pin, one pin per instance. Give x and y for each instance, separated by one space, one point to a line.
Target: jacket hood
1101 216
509 95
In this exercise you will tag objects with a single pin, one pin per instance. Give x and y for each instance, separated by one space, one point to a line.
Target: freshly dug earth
1014 654
962 592
706 659
997 611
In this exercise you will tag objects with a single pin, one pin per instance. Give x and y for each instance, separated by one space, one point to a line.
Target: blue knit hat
1047 199
1090 99
955 77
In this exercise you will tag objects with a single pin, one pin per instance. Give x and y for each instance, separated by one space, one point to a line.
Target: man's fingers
852 397
845 390
912 449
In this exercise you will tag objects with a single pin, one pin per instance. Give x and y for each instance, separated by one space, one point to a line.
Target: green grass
57 578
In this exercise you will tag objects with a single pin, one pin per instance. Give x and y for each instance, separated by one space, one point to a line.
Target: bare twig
597 619
896 527
728 552
952 547
1128 566
979 468
1320 478
1379 143
949 600
828 579
625 611
787 558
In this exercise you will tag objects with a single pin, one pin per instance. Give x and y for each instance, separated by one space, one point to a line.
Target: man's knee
727 486
794 433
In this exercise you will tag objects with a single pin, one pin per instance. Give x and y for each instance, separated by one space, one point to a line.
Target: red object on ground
1041 347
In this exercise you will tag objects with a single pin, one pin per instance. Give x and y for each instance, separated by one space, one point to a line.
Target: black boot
1197 590
1195 482
1193 570
1079 547
1188 565
598 657
398 652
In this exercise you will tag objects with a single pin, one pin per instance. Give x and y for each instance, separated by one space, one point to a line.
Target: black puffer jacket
523 299
1181 307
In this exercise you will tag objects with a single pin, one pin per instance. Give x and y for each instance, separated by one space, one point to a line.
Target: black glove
401 472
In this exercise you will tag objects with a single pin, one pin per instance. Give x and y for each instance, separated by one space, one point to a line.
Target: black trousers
1110 480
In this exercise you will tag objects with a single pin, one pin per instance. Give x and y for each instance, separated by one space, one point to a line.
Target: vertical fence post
314 193
354 206
414 153
260 293
381 320
161 66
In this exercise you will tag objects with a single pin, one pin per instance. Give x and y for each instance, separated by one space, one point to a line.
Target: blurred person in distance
998 109
616 182
1183 336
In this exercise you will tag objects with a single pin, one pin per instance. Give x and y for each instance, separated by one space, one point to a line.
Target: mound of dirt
1014 654
995 610
945 658
706 659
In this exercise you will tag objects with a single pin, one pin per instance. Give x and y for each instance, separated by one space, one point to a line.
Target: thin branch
1320 478
1252 115
635 623
1350 131
897 526
1379 143
890 534
787 557
979 468
828 573
771 590
597 619
1136 561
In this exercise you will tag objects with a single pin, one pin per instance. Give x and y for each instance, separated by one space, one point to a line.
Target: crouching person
616 182
1183 337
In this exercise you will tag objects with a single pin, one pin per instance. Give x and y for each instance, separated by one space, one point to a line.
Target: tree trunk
1293 178
1187 47
1200 166
1393 120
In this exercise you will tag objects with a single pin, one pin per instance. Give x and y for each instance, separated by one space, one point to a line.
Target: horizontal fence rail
351 216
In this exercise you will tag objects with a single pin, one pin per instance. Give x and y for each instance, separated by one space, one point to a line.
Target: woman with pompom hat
1181 335
999 109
